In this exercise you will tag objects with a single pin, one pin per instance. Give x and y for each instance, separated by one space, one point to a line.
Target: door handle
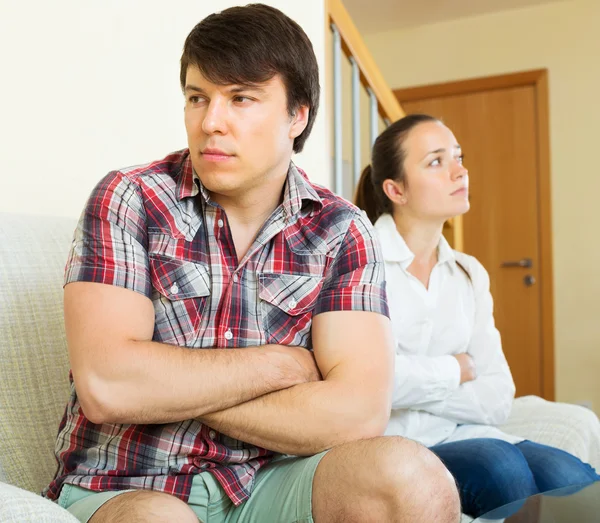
525 262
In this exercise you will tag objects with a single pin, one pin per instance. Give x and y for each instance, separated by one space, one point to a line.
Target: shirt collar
394 247
446 253
188 183
298 189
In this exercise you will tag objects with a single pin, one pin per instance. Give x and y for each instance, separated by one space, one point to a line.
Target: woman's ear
394 191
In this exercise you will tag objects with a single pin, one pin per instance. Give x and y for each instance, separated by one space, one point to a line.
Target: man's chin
220 184
214 175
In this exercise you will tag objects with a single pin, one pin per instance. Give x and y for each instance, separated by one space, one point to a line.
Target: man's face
240 137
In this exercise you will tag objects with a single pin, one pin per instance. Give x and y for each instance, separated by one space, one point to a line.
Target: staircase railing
349 44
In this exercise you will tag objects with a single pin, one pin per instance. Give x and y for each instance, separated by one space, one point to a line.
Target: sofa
34 373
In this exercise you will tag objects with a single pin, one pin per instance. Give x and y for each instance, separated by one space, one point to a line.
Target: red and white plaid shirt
154 229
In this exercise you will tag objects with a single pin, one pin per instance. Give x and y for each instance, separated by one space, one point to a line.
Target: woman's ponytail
365 197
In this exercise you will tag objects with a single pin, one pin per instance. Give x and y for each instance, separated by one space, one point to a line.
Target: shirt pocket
286 306
180 295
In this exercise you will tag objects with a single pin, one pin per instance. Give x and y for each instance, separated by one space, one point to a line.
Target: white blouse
453 316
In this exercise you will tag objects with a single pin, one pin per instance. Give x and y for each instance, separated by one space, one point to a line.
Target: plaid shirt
154 229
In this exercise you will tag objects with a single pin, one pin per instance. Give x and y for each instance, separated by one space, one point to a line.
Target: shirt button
200 463
235 278
292 304
228 335
174 289
212 434
220 223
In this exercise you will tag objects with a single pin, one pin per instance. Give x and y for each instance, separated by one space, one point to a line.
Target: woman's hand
468 371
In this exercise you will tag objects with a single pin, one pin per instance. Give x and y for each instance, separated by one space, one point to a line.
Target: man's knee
413 472
384 479
144 506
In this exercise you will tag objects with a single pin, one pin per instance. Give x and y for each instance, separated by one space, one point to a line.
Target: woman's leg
489 472
554 469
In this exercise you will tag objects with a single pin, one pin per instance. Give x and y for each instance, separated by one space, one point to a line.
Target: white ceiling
373 16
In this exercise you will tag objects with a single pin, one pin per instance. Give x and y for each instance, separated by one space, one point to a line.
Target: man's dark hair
250 45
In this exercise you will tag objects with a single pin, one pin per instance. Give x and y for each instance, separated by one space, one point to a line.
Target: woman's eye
460 159
436 162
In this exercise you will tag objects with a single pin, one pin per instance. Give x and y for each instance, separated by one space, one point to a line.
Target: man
195 286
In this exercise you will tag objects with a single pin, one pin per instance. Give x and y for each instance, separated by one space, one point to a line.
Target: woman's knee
502 466
554 468
508 472
490 473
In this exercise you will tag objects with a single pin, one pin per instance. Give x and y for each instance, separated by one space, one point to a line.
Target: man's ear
394 191
299 121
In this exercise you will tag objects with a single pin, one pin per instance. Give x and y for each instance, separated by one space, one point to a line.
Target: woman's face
437 183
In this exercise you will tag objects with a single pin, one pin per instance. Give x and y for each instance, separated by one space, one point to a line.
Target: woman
452 381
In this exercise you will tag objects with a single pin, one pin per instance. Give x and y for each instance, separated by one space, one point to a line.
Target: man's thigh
84 503
282 494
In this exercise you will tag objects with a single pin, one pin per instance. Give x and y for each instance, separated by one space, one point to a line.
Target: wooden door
500 136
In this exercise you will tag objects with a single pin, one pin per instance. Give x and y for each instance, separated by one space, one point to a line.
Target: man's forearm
154 383
305 419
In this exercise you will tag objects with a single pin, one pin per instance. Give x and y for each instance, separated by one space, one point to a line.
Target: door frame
538 79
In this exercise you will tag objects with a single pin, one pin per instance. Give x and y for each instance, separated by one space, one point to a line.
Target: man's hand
355 354
468 371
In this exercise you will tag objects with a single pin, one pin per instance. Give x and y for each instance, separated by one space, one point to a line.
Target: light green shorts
282 494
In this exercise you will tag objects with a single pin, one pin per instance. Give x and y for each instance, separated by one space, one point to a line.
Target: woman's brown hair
387 162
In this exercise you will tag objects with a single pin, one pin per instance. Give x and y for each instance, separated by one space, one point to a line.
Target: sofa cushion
34 370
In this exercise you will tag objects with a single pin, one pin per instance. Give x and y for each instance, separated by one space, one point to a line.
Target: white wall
92 86
563 37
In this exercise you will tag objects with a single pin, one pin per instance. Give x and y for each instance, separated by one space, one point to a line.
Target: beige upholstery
34 371
18 505
569 427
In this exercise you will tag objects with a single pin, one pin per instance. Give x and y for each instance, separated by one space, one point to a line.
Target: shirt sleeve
489 397
355 279
110 243
421 379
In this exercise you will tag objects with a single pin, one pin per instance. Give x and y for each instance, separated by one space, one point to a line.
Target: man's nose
215 118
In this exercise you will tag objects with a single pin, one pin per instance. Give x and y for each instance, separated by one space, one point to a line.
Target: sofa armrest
572 428
21 506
